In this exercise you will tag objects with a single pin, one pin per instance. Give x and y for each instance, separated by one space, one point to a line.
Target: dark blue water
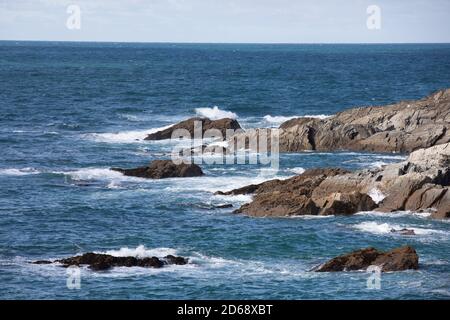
69 111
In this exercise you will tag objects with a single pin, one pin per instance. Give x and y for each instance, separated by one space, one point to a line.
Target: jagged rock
398 259
99 262
279 204
222 125
402 127
347 203
160 169
419 183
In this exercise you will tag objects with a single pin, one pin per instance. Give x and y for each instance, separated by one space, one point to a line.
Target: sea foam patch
215 113
133 136
18 172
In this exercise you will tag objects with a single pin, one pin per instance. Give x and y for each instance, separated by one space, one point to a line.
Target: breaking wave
215 113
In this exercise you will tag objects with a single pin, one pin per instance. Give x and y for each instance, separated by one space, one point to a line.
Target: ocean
70 111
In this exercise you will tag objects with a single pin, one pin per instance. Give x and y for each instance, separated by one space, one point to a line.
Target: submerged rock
160 169
398 259
99 261
222 125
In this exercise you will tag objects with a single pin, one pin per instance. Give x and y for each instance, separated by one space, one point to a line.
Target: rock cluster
419 183
98 261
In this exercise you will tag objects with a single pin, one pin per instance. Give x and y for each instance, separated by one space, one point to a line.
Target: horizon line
200 42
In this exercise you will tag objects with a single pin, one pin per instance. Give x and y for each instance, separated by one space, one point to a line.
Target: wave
133 136
93 174
19 172
395 214
385 228
298 170
376 195
141 252
215 113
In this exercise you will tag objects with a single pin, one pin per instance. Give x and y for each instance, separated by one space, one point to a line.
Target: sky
227 21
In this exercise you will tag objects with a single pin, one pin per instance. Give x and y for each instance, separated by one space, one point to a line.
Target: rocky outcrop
194 123
419 183
398 259
402 127
98 261
160 169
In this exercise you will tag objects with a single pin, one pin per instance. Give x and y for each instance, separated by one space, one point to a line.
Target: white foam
133 136
385 228
18 172
376 195
215 113
94 174
280 119
238 198
141 252
395 214
378 164
298 170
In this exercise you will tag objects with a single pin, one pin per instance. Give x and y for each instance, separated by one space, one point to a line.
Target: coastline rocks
398 259
402 127
404 232
421 182
98 261
160 169
190 125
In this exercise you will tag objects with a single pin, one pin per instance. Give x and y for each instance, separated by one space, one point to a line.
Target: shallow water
70 111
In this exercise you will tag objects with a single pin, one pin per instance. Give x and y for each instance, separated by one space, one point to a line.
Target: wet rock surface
398 259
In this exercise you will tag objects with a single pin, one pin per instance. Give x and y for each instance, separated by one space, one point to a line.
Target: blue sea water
69 111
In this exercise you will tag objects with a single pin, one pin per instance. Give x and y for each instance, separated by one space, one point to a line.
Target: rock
402 127
175 260
42 262
347 203
419 183
398 259
279 204
100 262
286 197
404 232
160 169
222 125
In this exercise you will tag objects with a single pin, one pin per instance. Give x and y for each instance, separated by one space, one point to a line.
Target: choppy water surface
70 111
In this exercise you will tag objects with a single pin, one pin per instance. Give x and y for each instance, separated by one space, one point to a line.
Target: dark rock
42 262
100 262
398 259
222 125
160 169
404 232
175 260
